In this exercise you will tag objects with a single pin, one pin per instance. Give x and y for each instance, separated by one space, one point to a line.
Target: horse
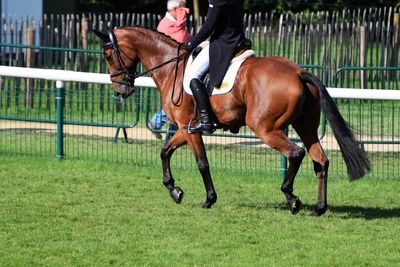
269 94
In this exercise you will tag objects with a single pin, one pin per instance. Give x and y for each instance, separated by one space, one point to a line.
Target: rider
224 26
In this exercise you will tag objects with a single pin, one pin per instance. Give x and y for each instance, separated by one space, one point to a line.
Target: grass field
88 213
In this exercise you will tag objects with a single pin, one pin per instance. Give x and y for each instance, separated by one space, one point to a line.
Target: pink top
176 29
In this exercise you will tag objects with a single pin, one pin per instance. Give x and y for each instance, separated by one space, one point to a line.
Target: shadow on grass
346 212
368 213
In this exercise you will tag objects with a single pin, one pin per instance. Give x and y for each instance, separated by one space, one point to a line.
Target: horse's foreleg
168 149
195 141
295 154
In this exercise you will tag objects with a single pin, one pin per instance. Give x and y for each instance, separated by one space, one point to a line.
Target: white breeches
199 66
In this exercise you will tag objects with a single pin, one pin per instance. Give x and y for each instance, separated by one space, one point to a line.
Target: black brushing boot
204 124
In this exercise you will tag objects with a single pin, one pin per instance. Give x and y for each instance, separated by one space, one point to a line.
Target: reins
176 74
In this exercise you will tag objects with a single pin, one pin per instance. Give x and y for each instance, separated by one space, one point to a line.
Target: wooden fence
351 37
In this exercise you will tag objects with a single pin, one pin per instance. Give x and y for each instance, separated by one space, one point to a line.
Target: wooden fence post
196 16
362 55
84 30
395 44
396 29
84 33
30 60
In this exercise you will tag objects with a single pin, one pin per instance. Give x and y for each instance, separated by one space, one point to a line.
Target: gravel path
328 142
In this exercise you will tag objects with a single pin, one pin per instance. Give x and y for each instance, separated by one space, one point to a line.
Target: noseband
130 76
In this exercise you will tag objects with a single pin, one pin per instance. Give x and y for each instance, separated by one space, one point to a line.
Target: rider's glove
190 47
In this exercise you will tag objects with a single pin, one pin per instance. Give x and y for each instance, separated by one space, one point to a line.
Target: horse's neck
152 54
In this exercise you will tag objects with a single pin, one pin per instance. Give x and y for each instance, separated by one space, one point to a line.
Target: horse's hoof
295 205
318 212
177 195
208 204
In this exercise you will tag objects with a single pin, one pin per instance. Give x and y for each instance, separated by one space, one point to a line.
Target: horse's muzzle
124 91
127 90
118 97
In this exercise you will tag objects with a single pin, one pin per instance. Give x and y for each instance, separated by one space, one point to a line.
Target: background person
173 24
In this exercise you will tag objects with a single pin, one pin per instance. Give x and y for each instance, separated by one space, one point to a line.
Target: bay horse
269 94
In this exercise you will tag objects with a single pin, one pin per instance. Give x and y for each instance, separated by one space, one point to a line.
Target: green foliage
143 6
318 5
159 6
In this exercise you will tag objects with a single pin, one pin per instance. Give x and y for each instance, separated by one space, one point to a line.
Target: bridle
130 76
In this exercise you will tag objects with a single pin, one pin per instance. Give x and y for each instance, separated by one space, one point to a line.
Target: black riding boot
204 124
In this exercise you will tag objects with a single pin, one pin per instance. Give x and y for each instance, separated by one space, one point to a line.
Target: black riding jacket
224 26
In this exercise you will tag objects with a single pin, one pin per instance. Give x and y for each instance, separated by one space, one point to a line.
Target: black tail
354 156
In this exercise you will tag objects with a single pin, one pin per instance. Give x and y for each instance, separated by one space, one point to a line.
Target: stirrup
200 127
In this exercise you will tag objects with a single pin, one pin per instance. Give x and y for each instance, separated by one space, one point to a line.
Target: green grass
83 212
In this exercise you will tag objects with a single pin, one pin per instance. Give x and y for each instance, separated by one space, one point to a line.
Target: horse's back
271 66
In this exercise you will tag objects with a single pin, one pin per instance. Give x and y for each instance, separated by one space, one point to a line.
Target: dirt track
328 142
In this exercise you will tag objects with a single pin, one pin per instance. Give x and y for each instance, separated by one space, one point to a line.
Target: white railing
67 76
86 77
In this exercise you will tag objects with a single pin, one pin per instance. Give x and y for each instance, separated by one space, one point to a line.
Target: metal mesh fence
95 125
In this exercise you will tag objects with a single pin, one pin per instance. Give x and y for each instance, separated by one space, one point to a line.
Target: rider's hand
190 47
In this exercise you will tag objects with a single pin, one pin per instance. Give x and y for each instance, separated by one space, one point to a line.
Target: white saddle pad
229 77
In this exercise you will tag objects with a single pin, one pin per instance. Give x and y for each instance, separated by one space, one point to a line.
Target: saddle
242 52
244 45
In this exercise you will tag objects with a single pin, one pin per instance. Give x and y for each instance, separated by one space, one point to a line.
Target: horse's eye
108 56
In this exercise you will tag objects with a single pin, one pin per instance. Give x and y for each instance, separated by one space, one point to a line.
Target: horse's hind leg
278 140
166 152
321 165
295 157
309 136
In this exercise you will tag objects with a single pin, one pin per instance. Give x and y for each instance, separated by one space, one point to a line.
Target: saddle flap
229 78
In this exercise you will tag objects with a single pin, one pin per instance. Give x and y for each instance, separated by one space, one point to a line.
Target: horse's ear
103 36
